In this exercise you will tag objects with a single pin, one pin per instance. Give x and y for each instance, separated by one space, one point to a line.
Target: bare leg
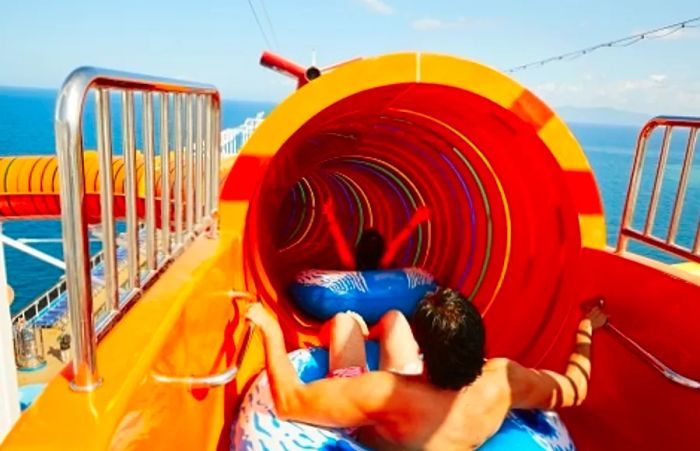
343 336
398 350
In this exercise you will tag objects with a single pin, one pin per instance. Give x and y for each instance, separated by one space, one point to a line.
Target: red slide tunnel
513 197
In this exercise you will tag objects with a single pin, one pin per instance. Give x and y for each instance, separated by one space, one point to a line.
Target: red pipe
284 66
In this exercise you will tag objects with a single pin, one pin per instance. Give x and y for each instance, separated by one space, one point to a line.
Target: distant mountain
602 115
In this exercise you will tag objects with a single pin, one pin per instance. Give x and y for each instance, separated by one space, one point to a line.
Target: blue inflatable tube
257 428
322 294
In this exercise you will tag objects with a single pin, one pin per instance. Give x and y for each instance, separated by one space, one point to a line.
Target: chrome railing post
215 125
208 153
633 188
177 186
682 186
189 172
104 151
198 156
69 147
164 174
150 175
658 180
130 190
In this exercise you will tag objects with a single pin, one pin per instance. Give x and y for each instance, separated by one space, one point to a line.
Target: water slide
29 188
517 225
513 197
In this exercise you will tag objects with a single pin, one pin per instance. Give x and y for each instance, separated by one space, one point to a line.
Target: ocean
26 128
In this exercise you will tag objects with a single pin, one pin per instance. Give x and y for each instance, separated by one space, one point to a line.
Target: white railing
233 139
45 299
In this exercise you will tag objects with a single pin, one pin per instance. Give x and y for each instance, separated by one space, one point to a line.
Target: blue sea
26 128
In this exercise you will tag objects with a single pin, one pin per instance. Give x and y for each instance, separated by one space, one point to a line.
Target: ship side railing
667 241
232 139
45 299
183 205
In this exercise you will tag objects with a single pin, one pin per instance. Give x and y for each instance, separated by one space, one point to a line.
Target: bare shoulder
510 368
497 363
526 387
506 375
501 368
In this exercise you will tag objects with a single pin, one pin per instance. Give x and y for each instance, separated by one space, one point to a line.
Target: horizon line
42 88
272 102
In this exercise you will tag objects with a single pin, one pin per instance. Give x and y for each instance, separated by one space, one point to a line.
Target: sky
220 42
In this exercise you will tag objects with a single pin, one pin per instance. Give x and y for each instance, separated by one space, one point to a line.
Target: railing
196 123
232 139
102 316
667 243
45 299
40 303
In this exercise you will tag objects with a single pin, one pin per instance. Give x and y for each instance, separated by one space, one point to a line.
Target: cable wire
260 27
656 33
269 23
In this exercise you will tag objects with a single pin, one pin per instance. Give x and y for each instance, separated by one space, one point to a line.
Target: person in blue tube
371 252
455 399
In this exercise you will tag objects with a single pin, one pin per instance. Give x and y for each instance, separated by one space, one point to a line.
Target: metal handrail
657 364
230 373
646 236
193 382
232 140
70 104
214 380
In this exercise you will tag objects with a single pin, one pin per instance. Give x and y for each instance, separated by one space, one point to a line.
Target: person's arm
420 215
544 389
341 245
338 402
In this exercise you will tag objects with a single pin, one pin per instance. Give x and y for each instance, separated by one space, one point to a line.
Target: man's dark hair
369 250
450 333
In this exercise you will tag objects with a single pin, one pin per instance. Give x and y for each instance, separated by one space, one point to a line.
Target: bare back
422 416
406 412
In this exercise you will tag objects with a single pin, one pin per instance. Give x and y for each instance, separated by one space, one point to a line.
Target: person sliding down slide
457 403
370 252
